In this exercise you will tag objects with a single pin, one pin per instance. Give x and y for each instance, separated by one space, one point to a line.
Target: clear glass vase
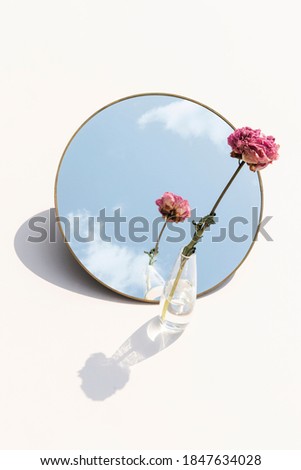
179 293
154 283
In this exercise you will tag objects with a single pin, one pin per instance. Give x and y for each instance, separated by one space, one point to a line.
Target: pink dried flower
173 208
253 147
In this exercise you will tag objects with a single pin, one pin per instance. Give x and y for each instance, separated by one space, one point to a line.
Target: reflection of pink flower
253 147
173 208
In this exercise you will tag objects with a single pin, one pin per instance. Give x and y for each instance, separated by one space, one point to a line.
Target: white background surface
233 379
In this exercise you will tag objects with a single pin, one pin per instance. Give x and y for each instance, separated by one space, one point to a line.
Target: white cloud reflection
119 266
188 119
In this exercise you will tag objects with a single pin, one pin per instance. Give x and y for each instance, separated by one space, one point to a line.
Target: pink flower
173 208
253 147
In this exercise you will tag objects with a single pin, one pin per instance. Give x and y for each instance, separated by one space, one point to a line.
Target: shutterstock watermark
86 228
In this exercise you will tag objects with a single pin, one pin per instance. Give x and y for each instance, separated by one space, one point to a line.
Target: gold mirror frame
201 294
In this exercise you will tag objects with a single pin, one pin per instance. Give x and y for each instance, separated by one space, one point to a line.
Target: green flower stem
189 249
240 165
154 252
200 227
173 289
159 238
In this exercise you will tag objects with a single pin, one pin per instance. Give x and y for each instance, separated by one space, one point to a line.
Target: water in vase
181 305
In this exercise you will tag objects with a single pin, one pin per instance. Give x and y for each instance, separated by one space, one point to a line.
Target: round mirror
121 160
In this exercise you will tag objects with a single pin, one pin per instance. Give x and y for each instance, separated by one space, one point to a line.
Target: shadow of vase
103 376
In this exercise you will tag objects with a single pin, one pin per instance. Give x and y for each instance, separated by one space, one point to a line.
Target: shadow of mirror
103 376
52 260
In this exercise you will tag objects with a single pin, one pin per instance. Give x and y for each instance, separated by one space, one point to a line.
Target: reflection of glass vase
154 283
179 294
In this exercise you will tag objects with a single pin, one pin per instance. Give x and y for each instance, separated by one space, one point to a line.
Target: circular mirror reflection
125 157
